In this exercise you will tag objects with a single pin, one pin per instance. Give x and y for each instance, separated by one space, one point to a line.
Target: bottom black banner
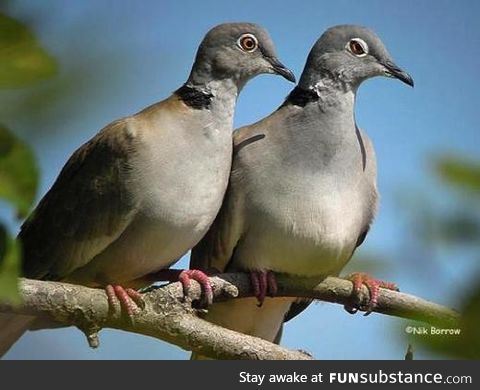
238 374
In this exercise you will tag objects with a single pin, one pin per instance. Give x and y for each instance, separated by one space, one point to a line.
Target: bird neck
327 104
327 90
209 94
205 78
325 97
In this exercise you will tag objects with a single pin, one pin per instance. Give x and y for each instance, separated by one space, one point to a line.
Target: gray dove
143 191
302 191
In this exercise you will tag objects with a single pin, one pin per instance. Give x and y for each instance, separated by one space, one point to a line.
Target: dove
143 191
303 187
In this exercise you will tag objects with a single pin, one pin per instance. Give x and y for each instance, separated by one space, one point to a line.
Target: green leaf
9 268
461 173
23 60
18 172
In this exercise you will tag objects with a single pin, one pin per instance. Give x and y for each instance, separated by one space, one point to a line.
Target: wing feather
87 208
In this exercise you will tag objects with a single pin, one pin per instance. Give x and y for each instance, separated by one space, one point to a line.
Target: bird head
237 51
351 54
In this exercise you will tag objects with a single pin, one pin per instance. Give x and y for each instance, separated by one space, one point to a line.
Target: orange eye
248 42
357 47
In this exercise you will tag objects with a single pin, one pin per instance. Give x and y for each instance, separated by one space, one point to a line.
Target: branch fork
170 317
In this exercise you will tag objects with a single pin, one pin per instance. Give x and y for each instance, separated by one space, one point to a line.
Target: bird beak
392 70
281 69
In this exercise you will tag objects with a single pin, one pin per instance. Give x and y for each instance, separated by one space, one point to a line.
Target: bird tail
12 327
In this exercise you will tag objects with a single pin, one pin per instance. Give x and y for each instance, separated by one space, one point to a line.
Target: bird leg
373 285
202 278
128 298
263 283
185 277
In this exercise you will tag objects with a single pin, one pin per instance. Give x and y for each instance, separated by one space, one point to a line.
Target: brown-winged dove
146 188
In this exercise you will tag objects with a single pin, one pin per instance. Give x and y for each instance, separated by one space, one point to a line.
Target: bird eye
358 47
248 42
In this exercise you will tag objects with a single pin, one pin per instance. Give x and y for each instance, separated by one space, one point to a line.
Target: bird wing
215 251
87 208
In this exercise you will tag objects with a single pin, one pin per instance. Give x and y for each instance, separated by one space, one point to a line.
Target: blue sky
136 53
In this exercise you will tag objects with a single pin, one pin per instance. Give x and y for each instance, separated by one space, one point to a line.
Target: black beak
281 69
392 70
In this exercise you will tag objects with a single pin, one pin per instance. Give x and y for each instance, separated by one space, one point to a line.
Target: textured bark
167 316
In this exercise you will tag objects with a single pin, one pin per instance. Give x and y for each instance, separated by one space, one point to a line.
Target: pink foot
263 283
127 298
185 277
359 279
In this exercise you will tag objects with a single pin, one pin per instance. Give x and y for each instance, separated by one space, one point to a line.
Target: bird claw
373 285
201 278
127 298
263 283
185 277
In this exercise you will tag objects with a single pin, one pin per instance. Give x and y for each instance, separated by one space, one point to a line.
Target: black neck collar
194 97
301 97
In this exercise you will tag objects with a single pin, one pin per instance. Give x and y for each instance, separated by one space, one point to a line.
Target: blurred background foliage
23 62
455 228
67 70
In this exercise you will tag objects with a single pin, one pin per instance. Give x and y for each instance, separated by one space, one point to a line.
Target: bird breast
305 229
181 174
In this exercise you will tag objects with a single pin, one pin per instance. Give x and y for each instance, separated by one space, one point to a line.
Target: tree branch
334 290
167 316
